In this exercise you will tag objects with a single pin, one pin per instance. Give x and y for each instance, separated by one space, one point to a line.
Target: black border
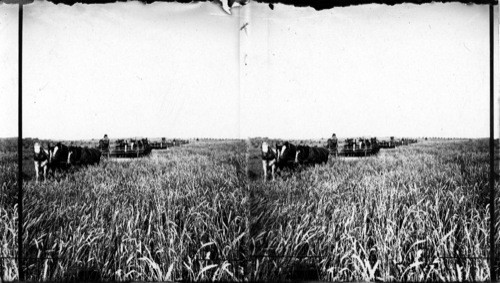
316 4
301 3
492 152
20 263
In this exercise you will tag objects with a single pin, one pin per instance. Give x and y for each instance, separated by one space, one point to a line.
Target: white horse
41 158
269 156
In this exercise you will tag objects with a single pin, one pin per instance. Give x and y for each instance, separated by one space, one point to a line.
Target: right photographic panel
368 141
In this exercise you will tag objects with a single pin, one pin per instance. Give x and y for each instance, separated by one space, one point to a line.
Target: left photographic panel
134 110
8 142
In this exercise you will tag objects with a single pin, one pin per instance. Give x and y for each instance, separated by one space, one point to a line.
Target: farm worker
105 139
333 145
104 145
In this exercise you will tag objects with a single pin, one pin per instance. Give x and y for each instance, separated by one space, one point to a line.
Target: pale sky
187 70
375 70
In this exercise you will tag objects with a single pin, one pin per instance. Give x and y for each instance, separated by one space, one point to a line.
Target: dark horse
58 157
82 156
309 155
286 155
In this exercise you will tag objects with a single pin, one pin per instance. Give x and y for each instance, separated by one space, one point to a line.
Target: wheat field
8 214
415 213
201 212
178 214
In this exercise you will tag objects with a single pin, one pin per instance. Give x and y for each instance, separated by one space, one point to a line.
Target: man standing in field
333 145
104 145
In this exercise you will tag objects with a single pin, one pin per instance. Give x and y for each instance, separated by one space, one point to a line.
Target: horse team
288 155
62 157
285 155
